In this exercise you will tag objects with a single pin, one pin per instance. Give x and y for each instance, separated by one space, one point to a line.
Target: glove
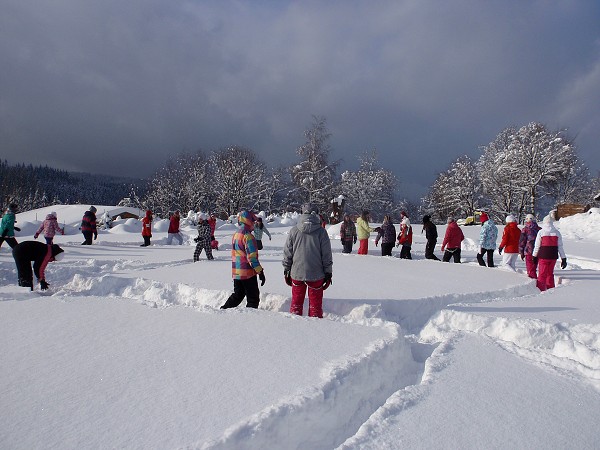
327 280
563 263
197 238
35 236
212 238
535 259
17 228
261 275
522 256
95 236
44 285
376 243
288 277
355 239
500 250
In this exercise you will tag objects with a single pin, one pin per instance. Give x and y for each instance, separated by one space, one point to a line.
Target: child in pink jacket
49 227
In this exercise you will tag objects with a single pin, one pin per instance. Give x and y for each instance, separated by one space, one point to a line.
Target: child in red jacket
510 242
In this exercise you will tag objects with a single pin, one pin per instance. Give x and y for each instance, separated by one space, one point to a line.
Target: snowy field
129 349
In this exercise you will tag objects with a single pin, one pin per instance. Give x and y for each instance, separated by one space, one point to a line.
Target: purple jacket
527 239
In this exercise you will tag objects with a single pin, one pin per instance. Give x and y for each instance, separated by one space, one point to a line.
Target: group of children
539 247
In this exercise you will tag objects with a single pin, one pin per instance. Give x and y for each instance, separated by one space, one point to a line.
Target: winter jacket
88 223
488 235
453 237
510 238
174 224
548 243
348 231
7 226
38 253
307 250
244 253
258 232
49 227
431 233
204 234
212 223
363 229
387 234
405 235
528 235
147 224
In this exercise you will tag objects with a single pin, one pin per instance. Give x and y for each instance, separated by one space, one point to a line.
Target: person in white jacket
548 246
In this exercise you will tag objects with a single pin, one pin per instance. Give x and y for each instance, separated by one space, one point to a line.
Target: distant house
125 212
569 209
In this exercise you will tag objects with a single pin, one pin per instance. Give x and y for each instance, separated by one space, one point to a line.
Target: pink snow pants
363 246
315 297
545 278
531 266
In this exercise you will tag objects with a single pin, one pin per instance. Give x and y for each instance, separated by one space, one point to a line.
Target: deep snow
128 349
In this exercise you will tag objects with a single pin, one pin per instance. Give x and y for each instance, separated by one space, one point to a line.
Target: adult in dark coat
431 235
40 255
88 226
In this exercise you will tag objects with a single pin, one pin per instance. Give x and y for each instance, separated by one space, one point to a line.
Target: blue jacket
488 235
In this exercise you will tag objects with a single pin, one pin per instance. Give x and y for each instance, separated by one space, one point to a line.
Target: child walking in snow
49 227
405 238
203 239
259 229
510 242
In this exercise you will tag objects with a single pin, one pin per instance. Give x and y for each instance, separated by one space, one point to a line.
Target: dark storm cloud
115 87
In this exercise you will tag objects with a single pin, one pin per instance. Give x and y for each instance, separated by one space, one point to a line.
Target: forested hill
35 187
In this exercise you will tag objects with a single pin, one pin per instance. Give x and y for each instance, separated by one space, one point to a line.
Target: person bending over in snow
245 264
88 226
40 254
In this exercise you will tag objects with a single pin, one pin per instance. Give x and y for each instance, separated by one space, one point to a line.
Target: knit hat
93 209
510 218
13 207
484 217
548 219
53 213
426 218
309 208
450 219
529 218
202 216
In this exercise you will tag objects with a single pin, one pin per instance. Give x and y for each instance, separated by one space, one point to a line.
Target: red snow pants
363 246
545 278
531 266
315 297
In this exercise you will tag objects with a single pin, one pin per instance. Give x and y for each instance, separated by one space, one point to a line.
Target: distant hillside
36 187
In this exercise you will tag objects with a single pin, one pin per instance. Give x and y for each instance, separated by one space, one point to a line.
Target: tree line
523 170
231 178
36 187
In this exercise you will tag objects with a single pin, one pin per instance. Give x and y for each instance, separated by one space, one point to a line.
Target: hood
50 217
56 250
246 220
149 214
308 223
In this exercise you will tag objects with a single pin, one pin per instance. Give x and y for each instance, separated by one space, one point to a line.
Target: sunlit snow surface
129 349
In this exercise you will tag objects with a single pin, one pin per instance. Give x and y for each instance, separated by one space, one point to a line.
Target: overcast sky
116 86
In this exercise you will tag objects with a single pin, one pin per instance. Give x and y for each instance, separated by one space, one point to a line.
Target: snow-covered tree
238 179
457 191
314 175
370 188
